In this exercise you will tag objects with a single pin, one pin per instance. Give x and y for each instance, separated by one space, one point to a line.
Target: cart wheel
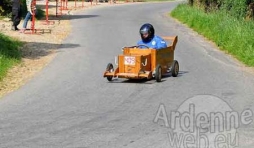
158 73
110 68
175 68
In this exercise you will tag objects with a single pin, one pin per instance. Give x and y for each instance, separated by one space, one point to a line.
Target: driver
149 39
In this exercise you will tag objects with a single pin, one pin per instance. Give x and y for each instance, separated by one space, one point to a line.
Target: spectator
16 14
31 10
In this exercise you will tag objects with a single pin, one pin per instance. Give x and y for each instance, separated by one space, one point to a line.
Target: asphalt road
70 104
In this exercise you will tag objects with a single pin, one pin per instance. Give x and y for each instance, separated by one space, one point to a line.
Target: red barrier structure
113 1
82 3
47 22
65 6
82 6
96 2
57 7
32 29
66 1
76 3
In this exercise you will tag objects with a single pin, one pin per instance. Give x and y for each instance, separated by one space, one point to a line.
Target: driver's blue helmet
146 29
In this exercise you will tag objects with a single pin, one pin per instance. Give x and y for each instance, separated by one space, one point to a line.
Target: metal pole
33 17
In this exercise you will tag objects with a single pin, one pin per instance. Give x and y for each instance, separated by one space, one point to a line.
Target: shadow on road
180 74
145 81
132 81
70 17
35 50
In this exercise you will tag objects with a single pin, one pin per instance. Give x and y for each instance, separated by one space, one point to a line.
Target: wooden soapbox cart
140 63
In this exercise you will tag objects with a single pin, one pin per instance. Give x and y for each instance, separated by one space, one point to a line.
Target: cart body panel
139 63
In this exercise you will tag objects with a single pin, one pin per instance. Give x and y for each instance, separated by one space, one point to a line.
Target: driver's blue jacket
156 43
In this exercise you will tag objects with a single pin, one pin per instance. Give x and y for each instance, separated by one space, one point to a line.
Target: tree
5 7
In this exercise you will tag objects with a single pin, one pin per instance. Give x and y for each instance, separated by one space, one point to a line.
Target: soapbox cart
141 63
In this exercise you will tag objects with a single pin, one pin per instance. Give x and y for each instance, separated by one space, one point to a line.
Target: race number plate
128 60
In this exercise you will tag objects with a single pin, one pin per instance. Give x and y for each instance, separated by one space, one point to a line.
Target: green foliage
1 10
9 54
236 8
5 7
151 0
40 14
230 34
23 8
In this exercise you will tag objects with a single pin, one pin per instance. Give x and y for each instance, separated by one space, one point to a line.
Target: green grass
9 54
157 0
147 0
231 35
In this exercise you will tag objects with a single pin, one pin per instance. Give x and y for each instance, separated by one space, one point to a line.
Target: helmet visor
144 31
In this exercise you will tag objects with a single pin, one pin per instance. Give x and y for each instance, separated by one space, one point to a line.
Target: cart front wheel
175 68
110 68
158 73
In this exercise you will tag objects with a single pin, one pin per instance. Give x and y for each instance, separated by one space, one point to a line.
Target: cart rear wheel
110 68
175 68
158 73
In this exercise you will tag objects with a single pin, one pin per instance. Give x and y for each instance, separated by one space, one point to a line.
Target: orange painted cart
140 63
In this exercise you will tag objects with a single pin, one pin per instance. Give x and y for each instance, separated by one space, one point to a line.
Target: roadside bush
236 8
5 7
232 35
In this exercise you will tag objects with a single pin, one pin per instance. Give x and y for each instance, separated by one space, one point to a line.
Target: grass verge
231 35
9 54
157 0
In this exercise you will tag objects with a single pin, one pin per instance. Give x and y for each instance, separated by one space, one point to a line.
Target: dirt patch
41 47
